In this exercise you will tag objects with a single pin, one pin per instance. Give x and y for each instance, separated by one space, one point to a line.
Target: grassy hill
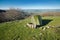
17 30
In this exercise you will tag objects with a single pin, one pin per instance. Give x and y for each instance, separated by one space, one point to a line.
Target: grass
55 20
17 30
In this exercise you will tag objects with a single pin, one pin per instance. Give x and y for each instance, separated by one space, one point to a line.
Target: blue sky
30 4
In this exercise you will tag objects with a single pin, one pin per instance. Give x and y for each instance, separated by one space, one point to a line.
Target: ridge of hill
17 30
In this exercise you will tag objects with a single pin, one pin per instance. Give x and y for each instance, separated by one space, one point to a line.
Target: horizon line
28 8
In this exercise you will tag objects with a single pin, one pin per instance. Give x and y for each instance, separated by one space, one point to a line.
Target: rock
40 34
31 25
47 27
44 28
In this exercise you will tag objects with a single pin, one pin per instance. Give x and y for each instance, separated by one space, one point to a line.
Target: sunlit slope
35 19
17 30
14 30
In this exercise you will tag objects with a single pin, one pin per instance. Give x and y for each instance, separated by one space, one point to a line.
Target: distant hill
44 12
41 10
12 14
2 11
51 14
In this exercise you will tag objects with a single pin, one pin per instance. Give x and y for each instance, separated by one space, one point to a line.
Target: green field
17 30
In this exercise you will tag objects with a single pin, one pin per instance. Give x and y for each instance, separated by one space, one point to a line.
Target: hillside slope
17 30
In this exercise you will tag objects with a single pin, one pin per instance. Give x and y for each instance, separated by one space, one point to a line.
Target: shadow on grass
44 22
